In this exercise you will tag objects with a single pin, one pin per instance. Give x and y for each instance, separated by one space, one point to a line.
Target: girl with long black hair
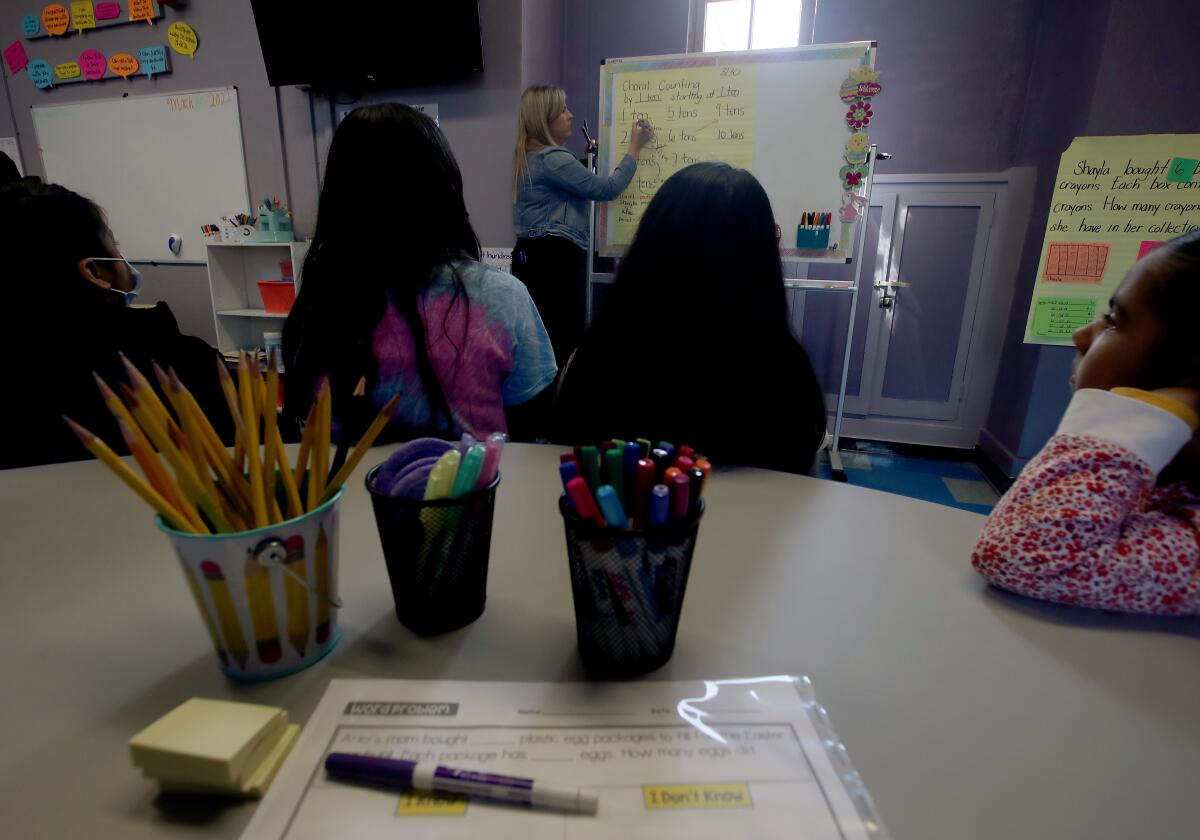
392 290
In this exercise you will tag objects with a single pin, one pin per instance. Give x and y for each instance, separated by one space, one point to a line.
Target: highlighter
491 460
468 470
614 472
679 496
610 506
441 477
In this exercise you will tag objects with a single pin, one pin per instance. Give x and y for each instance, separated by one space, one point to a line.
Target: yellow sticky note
56 18
183 38
122 64
83 16
427 804
698 114
141 10
67 70
672 797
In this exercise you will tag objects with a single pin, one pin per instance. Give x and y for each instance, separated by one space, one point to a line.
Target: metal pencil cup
268 597
628 588
437 555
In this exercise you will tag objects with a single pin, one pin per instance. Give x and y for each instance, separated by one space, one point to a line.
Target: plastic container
437 555
268 597
628 587
277 295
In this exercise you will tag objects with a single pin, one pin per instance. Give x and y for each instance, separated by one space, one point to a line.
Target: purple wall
1107 67
541 42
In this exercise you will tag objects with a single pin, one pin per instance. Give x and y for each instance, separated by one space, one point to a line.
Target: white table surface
968 712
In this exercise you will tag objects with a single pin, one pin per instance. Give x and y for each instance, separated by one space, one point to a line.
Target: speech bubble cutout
183 38
93 63
153 60
30 25
41 74
67 70
141 10
122 64
14 54
56 19
108 11
83 16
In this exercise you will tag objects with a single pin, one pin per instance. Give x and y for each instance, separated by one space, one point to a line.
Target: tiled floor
958 484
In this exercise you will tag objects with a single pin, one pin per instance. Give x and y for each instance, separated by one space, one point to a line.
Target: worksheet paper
704 759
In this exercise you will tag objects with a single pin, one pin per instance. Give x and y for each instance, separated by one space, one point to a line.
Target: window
724 25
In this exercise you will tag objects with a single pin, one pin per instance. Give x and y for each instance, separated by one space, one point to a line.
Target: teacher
551 190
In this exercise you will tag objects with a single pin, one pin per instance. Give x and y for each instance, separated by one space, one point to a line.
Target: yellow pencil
101 450
194 585
231 401
261 603
194 445
306 444
231 628
295 506
296 595
250 426
360 449
324 592
271 432
320 447
141 385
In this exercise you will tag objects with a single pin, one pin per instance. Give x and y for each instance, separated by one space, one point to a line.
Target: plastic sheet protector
751 757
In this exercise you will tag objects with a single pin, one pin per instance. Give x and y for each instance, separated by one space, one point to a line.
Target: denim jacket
554 194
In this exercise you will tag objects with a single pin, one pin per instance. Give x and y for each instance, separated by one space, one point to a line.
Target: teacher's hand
639 135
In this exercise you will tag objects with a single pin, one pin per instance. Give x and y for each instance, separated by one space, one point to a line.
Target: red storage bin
277 296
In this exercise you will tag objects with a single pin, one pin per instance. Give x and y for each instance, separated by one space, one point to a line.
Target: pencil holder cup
437 555
269 596
274 226
628 588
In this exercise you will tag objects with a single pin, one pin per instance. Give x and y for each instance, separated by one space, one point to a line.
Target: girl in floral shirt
1107 515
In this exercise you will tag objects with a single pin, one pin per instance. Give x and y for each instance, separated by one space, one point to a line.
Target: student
66 314
392 290
694 345
1107 515
551 191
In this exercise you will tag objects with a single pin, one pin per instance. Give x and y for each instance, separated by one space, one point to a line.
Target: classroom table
969 713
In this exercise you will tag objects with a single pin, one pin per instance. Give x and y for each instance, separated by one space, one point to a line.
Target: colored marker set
813 230
631 517
632 485
433 503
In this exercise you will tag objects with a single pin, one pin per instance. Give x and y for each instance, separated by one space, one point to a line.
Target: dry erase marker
631 457
660 505
661 459
679 495
614 471
684 463
687 452
589 466
670 449
669 475
704 466
644 446
569 470
584 503
695 488
610 506
426 775
641 493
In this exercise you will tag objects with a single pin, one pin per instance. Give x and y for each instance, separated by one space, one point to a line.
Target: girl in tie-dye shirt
392 291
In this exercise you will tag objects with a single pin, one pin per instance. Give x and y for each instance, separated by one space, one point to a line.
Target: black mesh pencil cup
628 588
437 555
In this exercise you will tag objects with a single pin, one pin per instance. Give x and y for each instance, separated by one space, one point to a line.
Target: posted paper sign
703 759
1115 200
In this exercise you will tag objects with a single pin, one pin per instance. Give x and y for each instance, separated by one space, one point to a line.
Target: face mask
132 294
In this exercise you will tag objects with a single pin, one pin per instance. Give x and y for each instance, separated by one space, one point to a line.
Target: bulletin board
1115 200
158 165
797 118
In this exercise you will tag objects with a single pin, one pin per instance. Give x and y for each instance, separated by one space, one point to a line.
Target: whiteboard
777 113
158 165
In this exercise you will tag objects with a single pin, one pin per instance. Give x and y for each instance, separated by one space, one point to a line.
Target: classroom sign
1115 200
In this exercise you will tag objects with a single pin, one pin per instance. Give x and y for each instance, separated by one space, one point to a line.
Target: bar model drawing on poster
748 757
1115 200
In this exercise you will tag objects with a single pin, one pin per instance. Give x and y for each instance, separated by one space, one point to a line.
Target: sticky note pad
216 743
1182 170
1059 317
257 782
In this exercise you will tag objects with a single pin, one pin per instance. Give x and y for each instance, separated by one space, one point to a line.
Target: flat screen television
366 45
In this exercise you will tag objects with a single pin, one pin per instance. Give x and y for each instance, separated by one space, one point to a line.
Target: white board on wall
159 165
777 113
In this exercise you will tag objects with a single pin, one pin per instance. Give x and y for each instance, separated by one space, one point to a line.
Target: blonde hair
540 106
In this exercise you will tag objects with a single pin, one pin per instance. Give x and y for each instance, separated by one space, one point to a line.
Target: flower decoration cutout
859 115
852 177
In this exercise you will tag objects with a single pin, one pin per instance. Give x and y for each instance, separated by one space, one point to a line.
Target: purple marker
425 775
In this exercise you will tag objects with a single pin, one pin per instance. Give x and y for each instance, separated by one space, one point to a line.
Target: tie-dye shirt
488 347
